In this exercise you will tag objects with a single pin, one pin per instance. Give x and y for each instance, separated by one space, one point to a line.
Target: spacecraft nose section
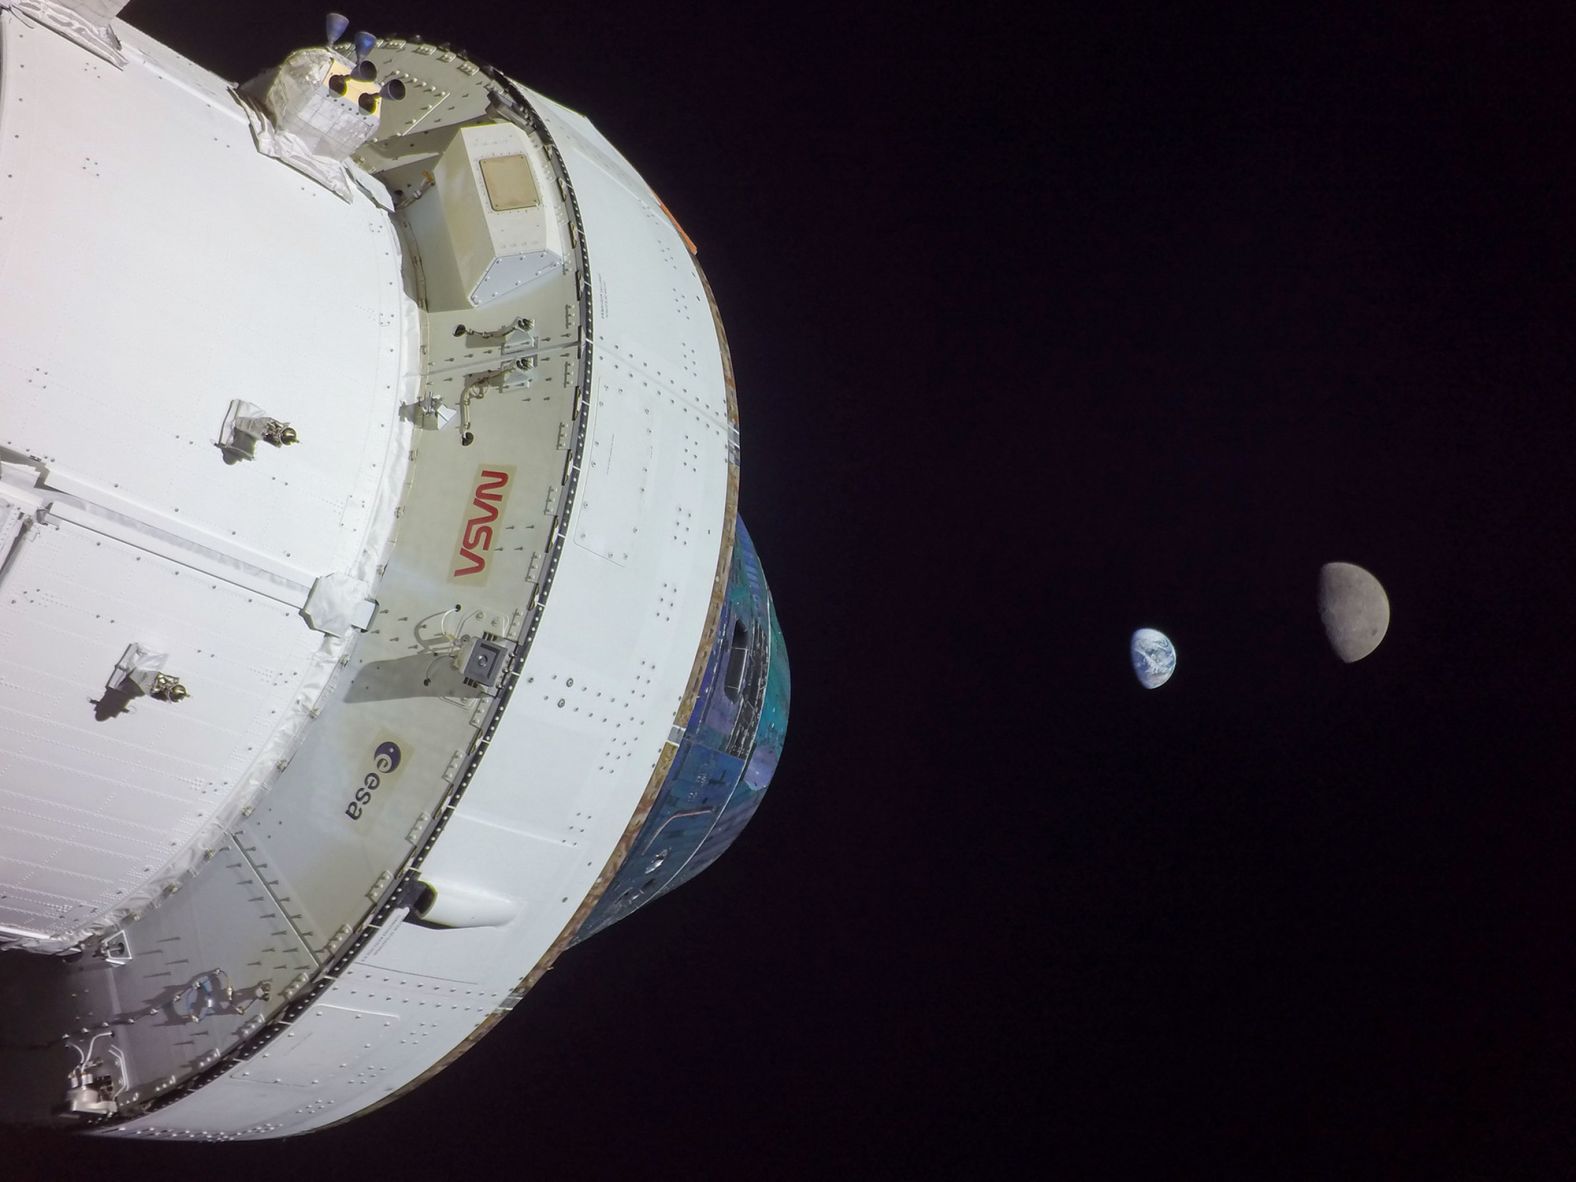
727 756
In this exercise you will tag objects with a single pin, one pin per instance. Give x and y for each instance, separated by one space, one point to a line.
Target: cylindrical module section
201 452
375 618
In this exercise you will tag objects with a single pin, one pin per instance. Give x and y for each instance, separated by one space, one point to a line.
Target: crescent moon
1354 608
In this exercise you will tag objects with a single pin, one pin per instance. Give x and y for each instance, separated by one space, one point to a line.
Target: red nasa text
478 536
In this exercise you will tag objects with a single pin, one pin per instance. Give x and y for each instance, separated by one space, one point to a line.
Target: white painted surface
497 250
596 701
155 267
211 273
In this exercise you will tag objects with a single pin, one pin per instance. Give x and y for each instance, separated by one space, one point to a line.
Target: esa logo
385 761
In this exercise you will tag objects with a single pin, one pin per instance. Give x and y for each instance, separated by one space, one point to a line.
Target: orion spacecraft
376 621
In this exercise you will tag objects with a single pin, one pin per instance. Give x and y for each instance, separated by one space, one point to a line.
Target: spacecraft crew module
375 621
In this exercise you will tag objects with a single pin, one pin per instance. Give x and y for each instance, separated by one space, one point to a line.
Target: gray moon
1354 608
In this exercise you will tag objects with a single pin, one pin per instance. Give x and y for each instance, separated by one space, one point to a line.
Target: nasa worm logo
385 760
489 500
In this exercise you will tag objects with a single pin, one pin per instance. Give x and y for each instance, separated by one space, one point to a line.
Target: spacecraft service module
375 620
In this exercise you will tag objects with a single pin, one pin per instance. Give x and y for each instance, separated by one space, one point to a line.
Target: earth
1154 659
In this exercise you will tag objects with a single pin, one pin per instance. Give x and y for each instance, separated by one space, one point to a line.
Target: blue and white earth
1154 659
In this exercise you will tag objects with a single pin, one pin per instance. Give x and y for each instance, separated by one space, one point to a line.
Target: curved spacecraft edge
376 618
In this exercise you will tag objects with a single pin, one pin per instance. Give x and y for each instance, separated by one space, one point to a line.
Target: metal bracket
481 661
245 424
477 388
114 948
516 334
88 1094
142 672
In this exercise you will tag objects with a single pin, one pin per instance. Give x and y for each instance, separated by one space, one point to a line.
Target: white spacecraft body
374 617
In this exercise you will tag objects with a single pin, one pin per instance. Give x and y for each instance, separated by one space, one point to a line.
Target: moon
1354 608
1154 658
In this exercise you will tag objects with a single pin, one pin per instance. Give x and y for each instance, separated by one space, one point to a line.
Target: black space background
1047 328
